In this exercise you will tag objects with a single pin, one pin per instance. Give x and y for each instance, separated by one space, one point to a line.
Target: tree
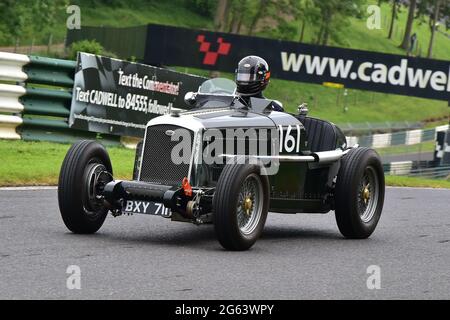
260 12
433 26
435 12
202 7
395 4
334 15
12 15
239 10
221 16
304 11
27 19
409 23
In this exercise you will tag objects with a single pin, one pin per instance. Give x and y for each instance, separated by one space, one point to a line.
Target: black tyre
241 202
85 170
359 194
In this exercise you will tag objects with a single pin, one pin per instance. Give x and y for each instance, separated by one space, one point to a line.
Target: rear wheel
84 173
359 194
240 204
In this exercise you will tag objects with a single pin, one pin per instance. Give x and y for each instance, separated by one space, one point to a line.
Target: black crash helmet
252 75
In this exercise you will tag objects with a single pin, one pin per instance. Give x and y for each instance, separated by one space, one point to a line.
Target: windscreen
218 86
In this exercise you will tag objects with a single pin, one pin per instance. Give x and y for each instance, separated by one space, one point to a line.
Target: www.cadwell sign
358 69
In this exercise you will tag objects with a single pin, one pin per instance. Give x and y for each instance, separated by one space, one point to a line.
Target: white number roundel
289 142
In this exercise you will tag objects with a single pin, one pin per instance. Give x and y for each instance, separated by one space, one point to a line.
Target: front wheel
85 171
241 202
359 193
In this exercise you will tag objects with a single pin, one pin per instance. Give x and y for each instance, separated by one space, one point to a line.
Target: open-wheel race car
229 161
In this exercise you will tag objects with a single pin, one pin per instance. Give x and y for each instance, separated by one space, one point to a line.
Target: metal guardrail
10 106
369 128
35 99
423 169
442 172
384 140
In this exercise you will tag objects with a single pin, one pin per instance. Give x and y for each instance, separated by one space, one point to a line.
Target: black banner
358 69
228 309
119 97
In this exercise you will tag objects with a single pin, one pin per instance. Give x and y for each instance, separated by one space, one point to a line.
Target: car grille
157 165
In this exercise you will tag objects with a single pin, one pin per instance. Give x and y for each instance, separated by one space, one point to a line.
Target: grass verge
38 163
401 181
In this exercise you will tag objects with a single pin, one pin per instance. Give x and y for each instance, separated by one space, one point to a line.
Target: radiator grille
157 165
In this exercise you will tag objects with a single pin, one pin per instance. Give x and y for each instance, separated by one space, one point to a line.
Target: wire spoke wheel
368 194
359 193
249 207
241 203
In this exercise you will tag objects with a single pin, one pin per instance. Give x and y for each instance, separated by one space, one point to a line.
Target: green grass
38 163
428 146
401 181
171 12
26 163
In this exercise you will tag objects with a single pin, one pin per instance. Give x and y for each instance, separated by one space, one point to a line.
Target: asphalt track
298 257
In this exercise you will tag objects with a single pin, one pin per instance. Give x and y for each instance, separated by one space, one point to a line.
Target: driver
252 77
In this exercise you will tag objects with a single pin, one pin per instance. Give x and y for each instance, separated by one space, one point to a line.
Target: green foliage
334 17
114 3
34 19
204 8
284 31
88 46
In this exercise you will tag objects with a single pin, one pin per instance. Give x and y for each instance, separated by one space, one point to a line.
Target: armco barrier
10 106
8 125
37 98
11 66
385 140
423 169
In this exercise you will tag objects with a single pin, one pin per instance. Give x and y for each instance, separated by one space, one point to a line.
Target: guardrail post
8 125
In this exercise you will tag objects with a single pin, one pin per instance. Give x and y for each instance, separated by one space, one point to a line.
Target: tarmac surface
298 257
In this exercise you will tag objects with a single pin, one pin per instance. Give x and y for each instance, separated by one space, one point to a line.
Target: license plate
146 207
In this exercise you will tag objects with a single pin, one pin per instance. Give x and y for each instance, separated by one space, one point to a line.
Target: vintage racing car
228 161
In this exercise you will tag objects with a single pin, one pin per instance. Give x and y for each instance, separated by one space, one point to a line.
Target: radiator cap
175 113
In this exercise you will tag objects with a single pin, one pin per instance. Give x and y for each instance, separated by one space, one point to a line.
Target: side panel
298 186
